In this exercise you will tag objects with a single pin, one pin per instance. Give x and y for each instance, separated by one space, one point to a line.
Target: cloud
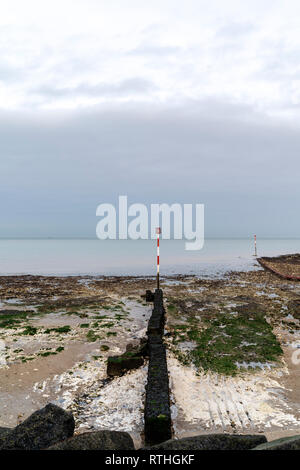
243 51
11 74
236 30
162 101
131 86
57 167
155 50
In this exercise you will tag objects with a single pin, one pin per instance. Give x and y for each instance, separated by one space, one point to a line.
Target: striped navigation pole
255 249
158 231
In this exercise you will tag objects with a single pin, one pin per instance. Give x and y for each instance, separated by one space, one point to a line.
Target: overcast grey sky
165 101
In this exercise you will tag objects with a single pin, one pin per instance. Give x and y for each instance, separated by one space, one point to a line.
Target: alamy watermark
178 221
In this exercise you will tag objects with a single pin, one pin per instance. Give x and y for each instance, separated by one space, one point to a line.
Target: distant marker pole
158 231
255 249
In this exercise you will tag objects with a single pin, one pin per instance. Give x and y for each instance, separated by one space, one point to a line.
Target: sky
163 101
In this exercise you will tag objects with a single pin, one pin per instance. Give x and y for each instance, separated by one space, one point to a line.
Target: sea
94 257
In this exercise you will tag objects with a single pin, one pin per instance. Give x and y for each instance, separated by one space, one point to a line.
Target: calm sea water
113 257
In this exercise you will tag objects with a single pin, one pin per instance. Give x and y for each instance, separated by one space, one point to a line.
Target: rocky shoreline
60 335
52 428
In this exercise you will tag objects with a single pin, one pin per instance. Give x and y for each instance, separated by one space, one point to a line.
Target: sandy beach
57 332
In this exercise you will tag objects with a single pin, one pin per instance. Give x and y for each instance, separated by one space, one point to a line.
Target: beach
56 333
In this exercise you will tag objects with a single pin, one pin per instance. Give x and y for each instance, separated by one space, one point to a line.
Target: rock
98 440
43 428
285 443
118 365
294 308
4 430
133 358
139 348
243 298
251 308
212 442
149 296
10 312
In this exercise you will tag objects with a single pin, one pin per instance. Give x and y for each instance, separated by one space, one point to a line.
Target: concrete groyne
157 406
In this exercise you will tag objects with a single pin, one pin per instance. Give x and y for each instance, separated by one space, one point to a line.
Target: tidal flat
232 351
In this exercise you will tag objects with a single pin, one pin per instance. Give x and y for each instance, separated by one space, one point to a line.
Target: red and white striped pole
255 249
158 231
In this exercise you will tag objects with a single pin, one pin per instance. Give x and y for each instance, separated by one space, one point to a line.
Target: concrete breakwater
284 266
157 405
